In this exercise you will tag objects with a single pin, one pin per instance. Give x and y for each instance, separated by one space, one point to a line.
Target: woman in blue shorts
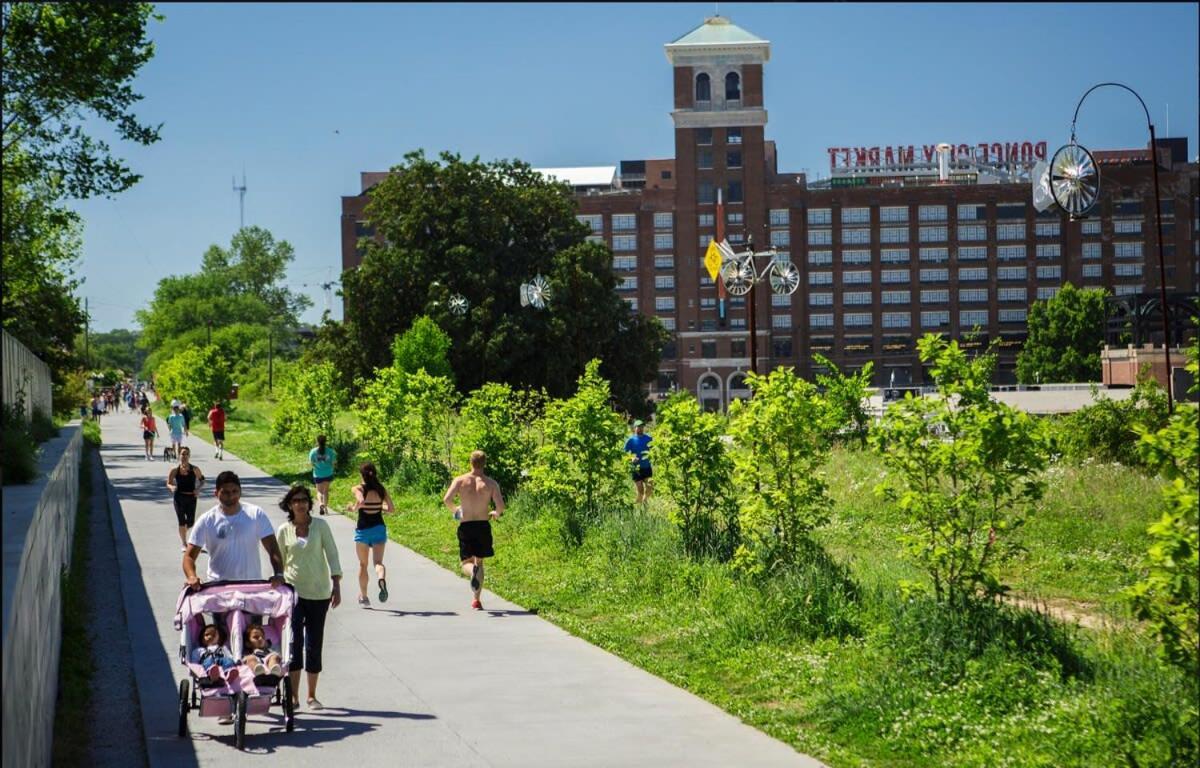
370 535
322 459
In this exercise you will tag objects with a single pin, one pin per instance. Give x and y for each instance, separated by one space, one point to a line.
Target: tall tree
477 229
41 248
1066 333
62 63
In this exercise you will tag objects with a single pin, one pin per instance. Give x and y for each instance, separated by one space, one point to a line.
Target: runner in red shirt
216 422
149 432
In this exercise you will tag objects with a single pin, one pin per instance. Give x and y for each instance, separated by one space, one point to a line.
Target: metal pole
753 330
87 355
1162 271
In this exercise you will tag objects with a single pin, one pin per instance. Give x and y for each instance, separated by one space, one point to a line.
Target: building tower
719 145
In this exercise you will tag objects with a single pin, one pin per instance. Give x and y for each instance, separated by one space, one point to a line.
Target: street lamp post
1162 270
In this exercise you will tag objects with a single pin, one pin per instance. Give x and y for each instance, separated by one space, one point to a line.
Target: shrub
380 412
20 447
428 421
782 436
695 469
1169 596
964 469
423 346
846 397
68 394
1108 430
579 466
496 420
197 375
308 400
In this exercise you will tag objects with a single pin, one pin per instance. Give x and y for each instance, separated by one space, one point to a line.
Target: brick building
886 252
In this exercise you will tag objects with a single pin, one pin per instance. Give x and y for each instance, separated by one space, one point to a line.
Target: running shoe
383 593
314 704
364 601
224 720
475 578
476 604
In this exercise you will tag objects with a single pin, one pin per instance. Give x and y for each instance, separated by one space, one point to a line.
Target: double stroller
235 605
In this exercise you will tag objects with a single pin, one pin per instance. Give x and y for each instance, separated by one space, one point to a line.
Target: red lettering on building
1024 152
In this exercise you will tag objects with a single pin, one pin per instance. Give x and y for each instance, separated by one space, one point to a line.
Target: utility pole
87 355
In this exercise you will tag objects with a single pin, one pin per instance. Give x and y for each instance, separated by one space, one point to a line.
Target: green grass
828 657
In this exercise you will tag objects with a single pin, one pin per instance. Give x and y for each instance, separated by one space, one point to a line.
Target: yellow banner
712 260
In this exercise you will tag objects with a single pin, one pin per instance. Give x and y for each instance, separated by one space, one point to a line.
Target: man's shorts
218 434
475 539
376 534
642 473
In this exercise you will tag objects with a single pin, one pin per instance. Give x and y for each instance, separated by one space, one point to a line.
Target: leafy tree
309 399
195 375
116 349
694 467
336 343
480 230
62 63
781 432
1066 333
964 469
423 346
579 466
380 411
255 265
846 397
1169 596
41 248
495 419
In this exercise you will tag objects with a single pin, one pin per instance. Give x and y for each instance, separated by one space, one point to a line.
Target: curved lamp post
1073 185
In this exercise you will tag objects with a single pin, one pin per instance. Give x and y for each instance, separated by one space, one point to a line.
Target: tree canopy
62 64
479 230
1066 333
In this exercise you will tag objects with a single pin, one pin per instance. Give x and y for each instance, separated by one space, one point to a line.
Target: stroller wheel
239 722
183 707
289 714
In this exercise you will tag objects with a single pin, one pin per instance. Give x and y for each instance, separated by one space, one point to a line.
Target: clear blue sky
266 87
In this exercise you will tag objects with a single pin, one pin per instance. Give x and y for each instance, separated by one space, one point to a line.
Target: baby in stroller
214 656
261 660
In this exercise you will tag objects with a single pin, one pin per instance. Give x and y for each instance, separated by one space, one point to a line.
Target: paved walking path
420 681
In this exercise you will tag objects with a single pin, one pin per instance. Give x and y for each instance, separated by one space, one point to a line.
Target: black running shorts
475 539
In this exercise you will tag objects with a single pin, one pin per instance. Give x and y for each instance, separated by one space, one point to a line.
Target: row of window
940 275
936 254
1016 294
937 318
931 234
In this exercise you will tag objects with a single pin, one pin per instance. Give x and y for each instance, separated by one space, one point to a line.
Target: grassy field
828 657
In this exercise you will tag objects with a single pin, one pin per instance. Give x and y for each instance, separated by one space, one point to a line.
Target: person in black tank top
184 483
371 500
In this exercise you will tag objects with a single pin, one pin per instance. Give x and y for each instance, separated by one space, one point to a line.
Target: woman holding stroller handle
370 535
184 483
311 566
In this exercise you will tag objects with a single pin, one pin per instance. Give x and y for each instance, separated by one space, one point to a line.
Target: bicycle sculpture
535 293
740 274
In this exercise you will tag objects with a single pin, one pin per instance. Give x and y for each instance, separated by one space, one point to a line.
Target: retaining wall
39 528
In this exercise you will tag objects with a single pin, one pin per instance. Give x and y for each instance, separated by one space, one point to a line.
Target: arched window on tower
733 87
703 87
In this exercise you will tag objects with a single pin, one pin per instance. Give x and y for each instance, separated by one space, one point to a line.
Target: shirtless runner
476 493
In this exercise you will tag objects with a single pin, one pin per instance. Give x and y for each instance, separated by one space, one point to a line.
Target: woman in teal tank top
323 460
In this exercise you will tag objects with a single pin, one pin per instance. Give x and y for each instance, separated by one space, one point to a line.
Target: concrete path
421 681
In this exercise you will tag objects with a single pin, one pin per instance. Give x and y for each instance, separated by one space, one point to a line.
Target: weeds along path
421 679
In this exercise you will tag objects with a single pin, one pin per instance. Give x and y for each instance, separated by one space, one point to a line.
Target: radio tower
241 199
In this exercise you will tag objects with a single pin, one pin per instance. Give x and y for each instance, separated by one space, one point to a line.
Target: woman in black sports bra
371 500
184 483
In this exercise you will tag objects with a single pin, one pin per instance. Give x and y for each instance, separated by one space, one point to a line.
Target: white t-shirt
232 541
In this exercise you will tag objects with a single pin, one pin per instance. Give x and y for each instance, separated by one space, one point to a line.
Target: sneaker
383 593
224 720
476 604
475 578
314 704
364 601
276 670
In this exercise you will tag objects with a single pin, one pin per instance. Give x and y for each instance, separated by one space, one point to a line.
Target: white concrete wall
24 372
39 528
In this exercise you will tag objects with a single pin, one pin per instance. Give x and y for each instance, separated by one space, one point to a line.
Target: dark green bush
20 447
1107 430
